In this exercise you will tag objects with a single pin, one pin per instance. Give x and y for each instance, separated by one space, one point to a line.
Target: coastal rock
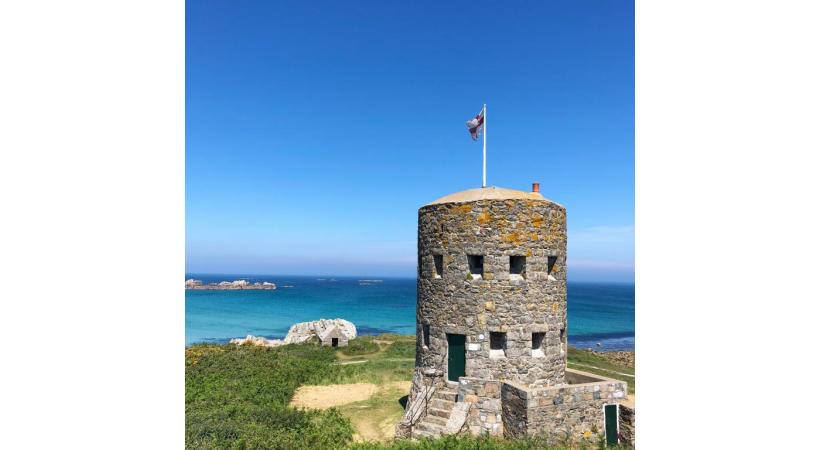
623 358
229 285
303 331
258 341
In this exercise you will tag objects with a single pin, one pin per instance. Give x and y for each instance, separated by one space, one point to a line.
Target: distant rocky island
228 285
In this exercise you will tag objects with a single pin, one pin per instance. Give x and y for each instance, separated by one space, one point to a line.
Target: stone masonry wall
573 412
626 425
514 410
484 397
456 303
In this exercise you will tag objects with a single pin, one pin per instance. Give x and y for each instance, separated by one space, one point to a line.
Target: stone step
436 420
446 394
419 434
445 413
431 427
438 403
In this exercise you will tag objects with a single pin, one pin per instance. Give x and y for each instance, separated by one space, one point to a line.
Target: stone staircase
434 423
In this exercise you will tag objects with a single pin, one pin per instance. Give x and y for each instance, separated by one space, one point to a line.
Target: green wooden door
455 356
611 415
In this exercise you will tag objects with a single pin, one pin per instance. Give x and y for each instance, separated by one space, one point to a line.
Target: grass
462 442
402 349
590 362
360 346
375 418
236 397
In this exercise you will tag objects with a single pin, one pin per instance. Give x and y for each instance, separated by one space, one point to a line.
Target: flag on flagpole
476 124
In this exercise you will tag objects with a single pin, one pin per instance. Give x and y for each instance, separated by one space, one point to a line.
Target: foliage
459 442
237 397
401 349
360 346
468 442
588 361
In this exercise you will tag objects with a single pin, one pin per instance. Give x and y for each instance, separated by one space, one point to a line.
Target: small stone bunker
491 318
334 337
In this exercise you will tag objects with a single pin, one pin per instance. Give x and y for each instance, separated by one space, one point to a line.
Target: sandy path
372 421
323 397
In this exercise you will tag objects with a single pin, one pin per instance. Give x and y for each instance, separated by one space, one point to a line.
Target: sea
601 315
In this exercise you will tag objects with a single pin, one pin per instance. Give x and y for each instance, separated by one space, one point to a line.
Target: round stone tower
492 287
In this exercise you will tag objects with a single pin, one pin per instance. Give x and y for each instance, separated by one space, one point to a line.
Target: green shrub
460 442
360 346
401 349
236 397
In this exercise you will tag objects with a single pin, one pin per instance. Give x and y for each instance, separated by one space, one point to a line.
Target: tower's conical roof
489 193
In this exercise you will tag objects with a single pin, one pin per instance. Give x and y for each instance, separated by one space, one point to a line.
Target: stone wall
514 410
626 426
484 396
453 302
570 412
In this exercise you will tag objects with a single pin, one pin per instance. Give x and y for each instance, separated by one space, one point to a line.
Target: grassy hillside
238 397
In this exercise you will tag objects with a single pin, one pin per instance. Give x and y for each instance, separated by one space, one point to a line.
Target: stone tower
492 293
491 318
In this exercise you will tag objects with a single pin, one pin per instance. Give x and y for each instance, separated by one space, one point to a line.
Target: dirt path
605 370
323 397
362 361
374 410
376 419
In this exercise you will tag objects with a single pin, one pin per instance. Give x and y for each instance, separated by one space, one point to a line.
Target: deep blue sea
598 313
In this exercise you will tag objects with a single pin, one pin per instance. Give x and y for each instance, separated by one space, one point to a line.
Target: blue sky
315 130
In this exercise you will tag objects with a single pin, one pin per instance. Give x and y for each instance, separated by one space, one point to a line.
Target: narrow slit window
538 344
498 344
426 334
518 267
563 336
476 263
438 266
551 260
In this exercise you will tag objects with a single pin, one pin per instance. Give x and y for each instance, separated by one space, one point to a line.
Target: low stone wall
569 412
484 397
514 409
626 425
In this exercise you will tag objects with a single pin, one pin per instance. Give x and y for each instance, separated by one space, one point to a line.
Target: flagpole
484 179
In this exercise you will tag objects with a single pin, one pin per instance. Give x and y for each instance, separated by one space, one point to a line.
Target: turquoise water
598 313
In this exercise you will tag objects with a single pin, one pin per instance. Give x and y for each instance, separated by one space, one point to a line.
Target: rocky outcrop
229 285
304 331
258 341
623 358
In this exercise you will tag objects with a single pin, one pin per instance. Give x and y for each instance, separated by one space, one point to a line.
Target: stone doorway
456 356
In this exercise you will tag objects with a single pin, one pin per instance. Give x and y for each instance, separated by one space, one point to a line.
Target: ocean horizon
601 316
